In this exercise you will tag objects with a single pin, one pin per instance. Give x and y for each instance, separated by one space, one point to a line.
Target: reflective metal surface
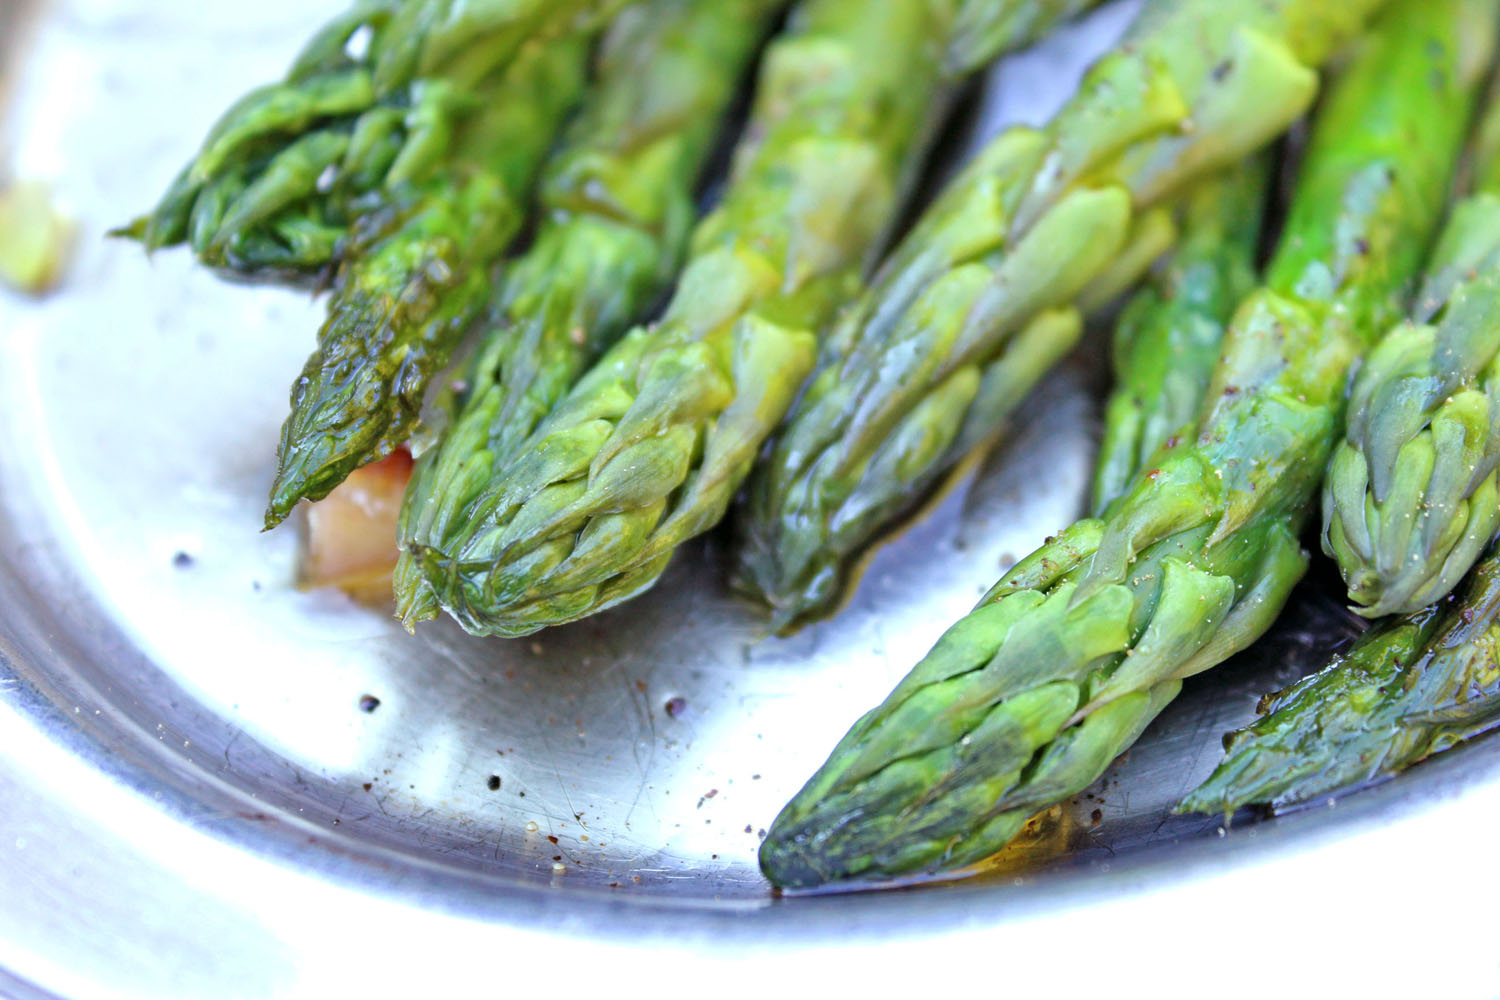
214 784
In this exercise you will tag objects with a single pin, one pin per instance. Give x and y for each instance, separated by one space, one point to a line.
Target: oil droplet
532 827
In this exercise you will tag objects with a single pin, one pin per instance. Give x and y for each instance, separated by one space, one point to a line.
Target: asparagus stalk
1413 491
618 208
417 277
1409 688
1167 340
374 102
1026 700
648 448
987 27
901 388
1416 684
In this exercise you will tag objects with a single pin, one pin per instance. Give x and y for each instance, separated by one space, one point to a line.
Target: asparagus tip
415 603
786 866
135 229
293 482
310 464
275 515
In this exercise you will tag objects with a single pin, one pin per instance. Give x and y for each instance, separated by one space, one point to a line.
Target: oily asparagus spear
1413 491
987 27
618 208
1167 340
647 449
978 301
1026 700
417 277
1409 688
374 102
1417 684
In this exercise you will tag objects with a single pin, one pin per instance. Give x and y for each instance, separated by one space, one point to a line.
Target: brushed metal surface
194 802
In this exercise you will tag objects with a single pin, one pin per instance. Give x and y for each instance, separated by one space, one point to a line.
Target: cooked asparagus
988 27
906 381
618 209
1026 701
647 449
1412 494
375 101
416 277
1409 688
1168 338
1417 684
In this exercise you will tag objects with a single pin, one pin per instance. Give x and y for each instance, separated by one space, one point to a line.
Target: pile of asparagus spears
524 176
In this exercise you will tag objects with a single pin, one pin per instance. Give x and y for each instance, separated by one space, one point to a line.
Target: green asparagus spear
647 449
1417 684
618 209
988 27
1409 688
417 277
1167 340
1026 700
1413 491
905 383
375 101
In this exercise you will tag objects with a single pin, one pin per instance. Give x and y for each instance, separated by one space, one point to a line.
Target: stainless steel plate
195 798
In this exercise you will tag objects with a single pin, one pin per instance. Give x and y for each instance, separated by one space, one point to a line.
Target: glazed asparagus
1409 688
648 448
986 28
1413 491
1168 337
375 101
417 277
978 300
618 208
1413 685
1025 701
